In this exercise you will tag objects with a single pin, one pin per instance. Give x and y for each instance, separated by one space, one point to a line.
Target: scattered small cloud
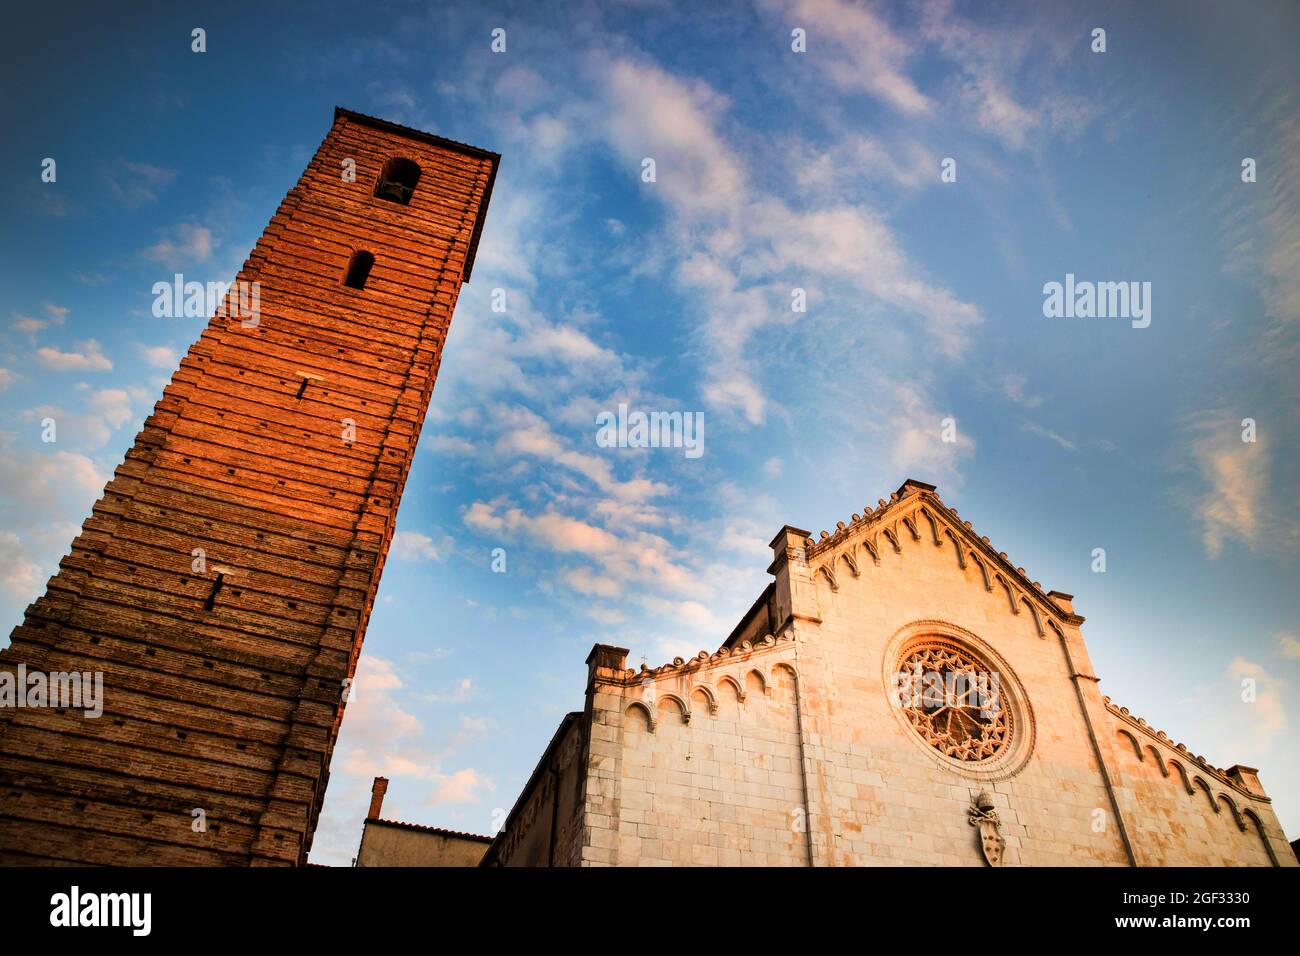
87 358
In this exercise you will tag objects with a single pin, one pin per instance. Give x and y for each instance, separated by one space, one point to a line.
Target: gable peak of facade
912 512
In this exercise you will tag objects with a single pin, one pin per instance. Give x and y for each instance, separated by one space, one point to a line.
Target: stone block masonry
790 745
223 582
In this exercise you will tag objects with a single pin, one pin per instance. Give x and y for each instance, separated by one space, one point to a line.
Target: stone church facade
803 740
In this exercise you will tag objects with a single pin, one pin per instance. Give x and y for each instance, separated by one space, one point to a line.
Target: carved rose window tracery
953 699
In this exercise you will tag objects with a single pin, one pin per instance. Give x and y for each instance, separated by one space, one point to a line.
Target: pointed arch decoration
1164 770
1033 610
851 562
1199 781
1011 594
1259 828
1137 747
961 552
1224 798
1182 773
934 527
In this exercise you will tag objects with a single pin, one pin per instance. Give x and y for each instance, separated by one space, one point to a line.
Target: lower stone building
394 843
900 693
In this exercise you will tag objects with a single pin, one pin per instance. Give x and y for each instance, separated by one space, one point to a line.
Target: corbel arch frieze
984 570
738 686
1011 593
1199 781
851 561
1034 612
1164 770
1182 774
957 545
934 527
709 696
683 707
1132 739
1259 829
650 717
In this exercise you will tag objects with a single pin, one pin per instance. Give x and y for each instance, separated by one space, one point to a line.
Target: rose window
954 700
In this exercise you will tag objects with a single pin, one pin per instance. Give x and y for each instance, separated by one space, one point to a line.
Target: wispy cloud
1041 431
856 49
134 184
185 244
1234 474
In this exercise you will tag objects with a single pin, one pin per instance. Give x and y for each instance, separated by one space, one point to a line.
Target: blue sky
775 170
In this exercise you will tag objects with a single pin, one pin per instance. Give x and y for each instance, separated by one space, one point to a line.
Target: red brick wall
235 710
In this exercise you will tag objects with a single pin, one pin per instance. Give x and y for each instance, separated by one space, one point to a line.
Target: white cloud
182 245
740 251
160 356
1000 68
585 581
653 114
413 546
462 690
88 359
565 343
917 448
105 411
20 576
54 316
463 786
1015 386
1262 720
38 488
532 436
1234 474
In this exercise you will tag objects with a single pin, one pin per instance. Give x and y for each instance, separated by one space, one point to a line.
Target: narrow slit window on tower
397 181
358 270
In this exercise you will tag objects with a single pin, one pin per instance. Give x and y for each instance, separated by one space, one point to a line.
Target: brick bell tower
223 582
